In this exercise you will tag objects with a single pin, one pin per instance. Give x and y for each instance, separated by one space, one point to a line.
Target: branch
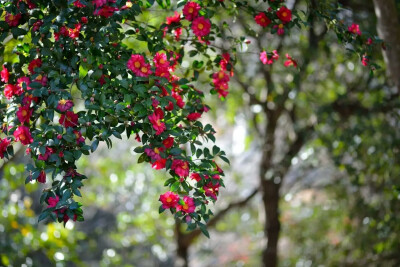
188 238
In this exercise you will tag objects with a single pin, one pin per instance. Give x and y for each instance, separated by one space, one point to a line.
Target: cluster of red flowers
200 26
171 200
221 78
53 201
72 33
278 19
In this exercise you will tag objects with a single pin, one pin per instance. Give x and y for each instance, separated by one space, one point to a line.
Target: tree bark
389 30
272 226
182 247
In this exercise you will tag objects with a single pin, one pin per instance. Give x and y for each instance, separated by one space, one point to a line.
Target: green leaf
43 215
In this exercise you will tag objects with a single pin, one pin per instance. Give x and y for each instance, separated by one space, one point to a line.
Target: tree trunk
272 226
182 247
389 30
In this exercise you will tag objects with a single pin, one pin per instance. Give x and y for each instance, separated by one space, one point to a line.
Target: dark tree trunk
272 226
389 30
182 247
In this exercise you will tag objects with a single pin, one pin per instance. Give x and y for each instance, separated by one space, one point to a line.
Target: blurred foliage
348 218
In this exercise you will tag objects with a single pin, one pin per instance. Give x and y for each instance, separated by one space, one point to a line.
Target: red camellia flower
138 66
189 205
99 3
195 176
74 33
211 190
262 19
24 114
64 105
78 4
168 142
364 60
169 200
193 116
179 100
191 10
105 11
280 29
47 154
160 60
36 26
53 201
36 63
155 120
290 61
176 18
69 119
284 14
180 167
13 20
4 144
201 26
79 137
42 177
9 90
5 75
354 28
23 135
159 164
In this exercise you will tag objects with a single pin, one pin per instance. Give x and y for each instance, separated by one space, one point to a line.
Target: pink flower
220 76
265 60
5 75
64 105
262 19
79 137
354 28
99 3
42 177
155 120
24 114
23 135
365 60
53 201
189 205
4 144
169 200
176 18
191 10
211 190
201 26
180 167
160 60
280 29
290 61
20 82
193 116
36 26
138 66
47 154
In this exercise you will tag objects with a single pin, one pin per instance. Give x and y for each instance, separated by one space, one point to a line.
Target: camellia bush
75 82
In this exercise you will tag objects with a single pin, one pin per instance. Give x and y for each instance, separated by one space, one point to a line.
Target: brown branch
188 238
